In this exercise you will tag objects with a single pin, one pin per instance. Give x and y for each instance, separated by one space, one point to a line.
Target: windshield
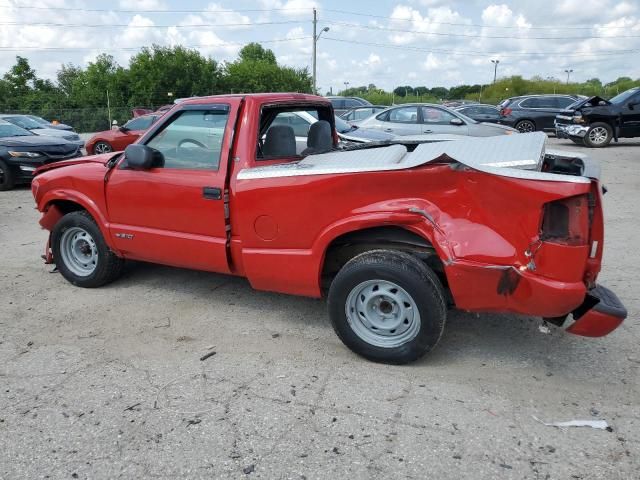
40 120
342 126
9 130
465 118
24 122
621 98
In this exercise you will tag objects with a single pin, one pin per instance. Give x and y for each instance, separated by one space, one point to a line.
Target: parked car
457 103
391 237
357 114
421 118
23 121
21 152
531 113
48 124
594 121
481 112
342 104
118 139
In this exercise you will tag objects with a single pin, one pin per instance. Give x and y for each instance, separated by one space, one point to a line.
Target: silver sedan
422 118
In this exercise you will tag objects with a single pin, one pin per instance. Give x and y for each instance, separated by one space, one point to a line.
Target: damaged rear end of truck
554 242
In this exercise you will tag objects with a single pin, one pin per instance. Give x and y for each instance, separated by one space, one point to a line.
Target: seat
280 141
319 139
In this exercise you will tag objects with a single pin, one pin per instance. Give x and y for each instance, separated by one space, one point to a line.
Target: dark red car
120 138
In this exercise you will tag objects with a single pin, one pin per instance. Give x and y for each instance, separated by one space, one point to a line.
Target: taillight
505 111
566 221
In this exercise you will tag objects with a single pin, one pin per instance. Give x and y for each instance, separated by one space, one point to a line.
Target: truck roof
264 97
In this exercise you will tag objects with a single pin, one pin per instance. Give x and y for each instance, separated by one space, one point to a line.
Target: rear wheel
599 135
387 306
6 177
80 252
102 147
525 126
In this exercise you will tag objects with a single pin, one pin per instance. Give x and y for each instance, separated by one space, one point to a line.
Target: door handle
388 129
212 193
427 131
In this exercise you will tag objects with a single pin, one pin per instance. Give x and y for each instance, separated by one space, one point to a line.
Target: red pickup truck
392 233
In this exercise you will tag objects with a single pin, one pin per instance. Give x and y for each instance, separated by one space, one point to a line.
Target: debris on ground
207 355
598 424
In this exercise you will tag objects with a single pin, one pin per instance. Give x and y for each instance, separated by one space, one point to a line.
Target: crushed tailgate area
171 373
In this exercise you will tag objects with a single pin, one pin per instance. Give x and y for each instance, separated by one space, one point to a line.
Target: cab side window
193 140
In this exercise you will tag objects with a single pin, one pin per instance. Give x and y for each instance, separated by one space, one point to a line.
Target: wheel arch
59 203
346 245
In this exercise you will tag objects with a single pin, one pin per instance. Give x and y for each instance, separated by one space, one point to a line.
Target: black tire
405 271
525 126
102 147
599 135
108 267
7 181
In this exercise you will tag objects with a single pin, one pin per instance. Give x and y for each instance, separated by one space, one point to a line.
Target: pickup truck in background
594 121
392 234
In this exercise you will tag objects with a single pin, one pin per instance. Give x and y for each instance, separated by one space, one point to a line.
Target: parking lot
109 383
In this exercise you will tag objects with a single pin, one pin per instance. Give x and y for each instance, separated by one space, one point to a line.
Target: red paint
118 139
595 324
280 228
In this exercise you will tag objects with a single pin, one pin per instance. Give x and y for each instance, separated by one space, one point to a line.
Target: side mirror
140 157
456 121
123 129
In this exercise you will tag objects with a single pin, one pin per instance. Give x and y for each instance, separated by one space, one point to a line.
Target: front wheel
6 177
80 252
387 306
599 135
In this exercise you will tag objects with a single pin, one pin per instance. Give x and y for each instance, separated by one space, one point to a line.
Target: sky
385 43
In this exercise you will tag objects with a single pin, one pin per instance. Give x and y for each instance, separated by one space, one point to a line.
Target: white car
36 128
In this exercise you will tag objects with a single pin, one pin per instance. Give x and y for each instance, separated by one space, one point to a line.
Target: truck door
630 117
175 213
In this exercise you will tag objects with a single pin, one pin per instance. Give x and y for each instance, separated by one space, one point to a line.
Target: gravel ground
108 383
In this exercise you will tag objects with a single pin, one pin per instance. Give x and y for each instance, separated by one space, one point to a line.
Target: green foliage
84 97
87 97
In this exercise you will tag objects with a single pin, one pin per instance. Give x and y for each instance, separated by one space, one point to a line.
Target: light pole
568 72
346 85
495 69
316 37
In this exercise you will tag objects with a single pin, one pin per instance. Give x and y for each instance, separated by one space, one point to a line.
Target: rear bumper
600 314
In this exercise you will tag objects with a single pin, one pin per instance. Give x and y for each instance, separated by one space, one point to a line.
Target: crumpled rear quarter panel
483 225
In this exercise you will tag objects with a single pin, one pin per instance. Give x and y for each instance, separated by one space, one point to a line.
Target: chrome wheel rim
79 251
598 135
382 313
102 148
526 127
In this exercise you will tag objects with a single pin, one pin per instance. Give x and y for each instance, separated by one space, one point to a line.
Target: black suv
594 121
530 113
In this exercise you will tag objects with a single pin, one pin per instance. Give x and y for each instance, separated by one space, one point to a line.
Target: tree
20 77
257 70
157 71
254 52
